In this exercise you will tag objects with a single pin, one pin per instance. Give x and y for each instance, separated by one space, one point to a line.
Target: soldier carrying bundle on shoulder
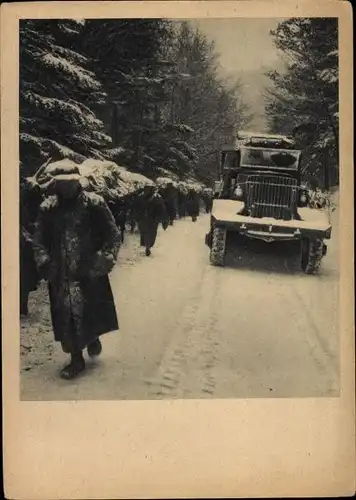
75 245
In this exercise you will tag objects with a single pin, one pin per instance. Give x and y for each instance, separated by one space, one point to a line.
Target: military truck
260 195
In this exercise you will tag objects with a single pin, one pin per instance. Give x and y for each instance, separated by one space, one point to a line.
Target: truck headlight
303 198
239 192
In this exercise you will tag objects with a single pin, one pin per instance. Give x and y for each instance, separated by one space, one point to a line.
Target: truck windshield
266 157
230 160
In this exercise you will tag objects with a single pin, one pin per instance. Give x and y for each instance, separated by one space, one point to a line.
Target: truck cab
260 195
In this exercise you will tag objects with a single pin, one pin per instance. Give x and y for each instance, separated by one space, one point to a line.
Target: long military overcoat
76 247
150 211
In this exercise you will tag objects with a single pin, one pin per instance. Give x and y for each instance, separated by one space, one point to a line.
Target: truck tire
312 254
208 238
218 247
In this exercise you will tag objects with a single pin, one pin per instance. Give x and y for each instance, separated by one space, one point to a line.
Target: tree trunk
326 170
172 105
114 125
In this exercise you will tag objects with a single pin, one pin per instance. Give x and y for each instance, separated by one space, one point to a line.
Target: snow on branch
96 139
70 110
333 53
69 54
83 77
114 152
329 75
39 142
182 127
176 153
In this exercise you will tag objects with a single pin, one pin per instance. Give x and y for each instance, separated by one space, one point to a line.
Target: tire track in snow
187 367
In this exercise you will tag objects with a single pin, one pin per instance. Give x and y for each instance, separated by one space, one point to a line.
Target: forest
147 94
143 93
303 98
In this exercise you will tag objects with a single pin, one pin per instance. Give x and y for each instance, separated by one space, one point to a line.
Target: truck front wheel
312 254
218 246
208 238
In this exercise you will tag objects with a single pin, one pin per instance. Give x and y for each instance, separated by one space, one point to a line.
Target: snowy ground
257 328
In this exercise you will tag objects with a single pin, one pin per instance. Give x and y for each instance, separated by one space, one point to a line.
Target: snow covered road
257 328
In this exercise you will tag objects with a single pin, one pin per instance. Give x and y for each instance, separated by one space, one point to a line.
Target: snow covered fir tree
303 97
57 91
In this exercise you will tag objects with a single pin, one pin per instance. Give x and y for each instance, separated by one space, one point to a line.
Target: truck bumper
273 230
312 223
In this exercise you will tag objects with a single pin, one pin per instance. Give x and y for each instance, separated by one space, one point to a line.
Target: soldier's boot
75 367
94 348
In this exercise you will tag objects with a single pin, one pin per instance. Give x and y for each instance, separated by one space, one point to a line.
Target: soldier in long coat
30 201
193 204
120 209
150 211
207 197
169 197
31 197
182 204
75 245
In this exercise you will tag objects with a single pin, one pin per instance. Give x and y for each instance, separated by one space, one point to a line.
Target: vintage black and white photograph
179 208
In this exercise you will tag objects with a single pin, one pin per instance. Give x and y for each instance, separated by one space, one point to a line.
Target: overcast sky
243 44
246 50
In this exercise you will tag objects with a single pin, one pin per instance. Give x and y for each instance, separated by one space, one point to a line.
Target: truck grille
271 196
